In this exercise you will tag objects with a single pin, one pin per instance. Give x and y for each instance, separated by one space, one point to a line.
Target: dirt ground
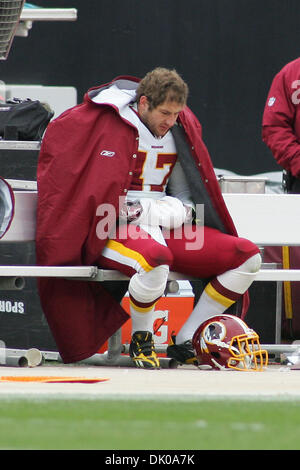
278 382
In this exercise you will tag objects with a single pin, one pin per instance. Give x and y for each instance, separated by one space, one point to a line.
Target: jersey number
155 169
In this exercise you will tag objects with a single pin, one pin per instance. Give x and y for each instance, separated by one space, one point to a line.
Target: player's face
160 119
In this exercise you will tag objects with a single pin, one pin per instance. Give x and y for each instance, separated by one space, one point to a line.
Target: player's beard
157 129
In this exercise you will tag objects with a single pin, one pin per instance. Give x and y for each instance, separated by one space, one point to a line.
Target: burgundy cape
281 118
86 159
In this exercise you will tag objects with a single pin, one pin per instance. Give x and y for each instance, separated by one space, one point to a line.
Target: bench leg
115 347
278 312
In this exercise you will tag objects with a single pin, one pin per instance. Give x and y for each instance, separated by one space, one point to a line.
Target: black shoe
142 350
182 353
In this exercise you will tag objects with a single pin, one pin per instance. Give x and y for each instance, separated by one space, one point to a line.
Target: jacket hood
119 93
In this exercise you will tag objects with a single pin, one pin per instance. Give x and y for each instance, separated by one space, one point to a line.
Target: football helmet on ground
226 342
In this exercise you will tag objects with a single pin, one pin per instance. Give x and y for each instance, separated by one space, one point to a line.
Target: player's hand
130 211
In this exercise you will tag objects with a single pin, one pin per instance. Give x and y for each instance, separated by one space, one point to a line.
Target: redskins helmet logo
213 333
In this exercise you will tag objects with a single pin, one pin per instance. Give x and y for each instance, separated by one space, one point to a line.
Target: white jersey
157 166
157 169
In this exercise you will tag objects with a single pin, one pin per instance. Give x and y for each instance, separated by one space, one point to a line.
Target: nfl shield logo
271 101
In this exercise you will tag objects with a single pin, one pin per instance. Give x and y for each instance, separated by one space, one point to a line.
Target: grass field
167 424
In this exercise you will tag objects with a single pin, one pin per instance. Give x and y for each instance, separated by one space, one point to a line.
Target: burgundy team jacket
281 118
86 159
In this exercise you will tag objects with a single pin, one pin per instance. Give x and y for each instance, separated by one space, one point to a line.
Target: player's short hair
162 85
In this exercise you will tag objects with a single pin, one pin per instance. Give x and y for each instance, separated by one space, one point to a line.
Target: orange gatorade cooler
171 311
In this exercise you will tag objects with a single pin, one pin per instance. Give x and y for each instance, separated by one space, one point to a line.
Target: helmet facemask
246 353
225 342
